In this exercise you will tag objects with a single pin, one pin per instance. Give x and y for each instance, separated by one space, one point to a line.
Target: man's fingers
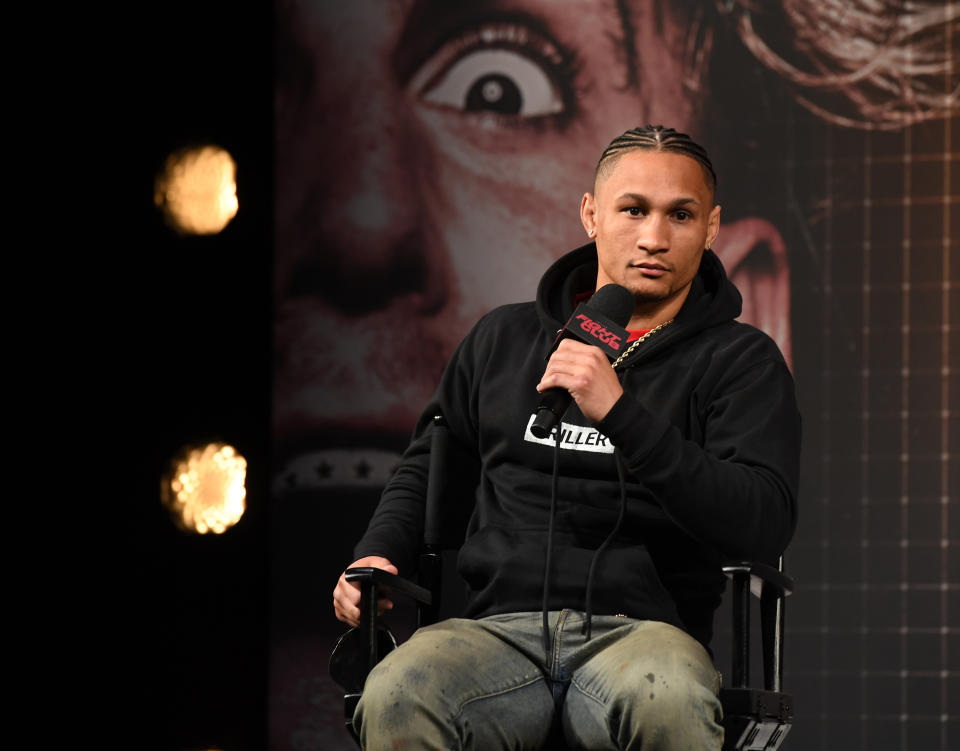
346 613
585 372
351 615
346 601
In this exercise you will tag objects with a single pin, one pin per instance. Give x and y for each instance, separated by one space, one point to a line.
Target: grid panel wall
873 630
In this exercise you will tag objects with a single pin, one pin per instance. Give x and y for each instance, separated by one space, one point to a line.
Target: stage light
204 488
197 190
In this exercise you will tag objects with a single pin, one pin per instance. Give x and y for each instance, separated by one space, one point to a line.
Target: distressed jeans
487 684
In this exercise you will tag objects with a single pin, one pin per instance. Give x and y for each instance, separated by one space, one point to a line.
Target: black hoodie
707 429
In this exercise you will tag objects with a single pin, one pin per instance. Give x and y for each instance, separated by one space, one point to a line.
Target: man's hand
585 372
346 595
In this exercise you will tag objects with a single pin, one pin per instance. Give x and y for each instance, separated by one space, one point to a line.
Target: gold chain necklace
637 342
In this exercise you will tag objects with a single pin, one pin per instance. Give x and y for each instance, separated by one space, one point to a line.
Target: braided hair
655 138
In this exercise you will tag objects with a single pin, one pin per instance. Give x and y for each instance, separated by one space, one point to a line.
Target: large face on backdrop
436 175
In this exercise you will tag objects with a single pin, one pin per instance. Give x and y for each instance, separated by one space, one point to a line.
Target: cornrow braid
655 138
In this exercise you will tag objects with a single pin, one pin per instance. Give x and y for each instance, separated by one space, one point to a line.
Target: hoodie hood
713 299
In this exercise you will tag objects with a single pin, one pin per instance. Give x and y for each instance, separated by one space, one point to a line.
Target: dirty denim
487 684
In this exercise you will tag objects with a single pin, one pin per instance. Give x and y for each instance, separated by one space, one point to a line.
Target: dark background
187 348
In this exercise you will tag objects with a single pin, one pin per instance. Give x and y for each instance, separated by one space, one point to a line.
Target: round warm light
197 190
205 488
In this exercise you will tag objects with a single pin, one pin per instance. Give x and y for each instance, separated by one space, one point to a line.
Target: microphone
601 323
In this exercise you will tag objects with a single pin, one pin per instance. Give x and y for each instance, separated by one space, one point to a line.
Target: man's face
653 215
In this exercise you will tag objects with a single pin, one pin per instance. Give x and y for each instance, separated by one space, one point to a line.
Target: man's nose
654 233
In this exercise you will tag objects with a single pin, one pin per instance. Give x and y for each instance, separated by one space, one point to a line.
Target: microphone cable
588 622
546 573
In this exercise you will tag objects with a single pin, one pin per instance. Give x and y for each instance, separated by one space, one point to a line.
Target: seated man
593 563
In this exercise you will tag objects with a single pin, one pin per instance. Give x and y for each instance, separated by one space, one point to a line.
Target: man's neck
653 313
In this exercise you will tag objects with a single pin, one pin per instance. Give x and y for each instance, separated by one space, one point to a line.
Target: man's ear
588 213
755 258
713 225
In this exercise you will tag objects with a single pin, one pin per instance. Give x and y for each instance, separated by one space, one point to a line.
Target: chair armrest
378 576
761 575
771 586
362 647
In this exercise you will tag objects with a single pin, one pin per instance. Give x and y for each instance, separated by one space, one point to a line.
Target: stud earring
591 232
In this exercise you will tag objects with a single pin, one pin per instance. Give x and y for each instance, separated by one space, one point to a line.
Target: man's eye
634 211
500 81
682 216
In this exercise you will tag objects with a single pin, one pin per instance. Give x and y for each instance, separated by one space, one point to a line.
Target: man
692 455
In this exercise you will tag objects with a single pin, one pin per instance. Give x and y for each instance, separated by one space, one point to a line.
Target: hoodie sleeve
396 529
737 492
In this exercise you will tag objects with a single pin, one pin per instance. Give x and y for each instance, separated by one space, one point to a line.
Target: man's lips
651 270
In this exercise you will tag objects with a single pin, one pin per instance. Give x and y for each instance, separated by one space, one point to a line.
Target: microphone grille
615 302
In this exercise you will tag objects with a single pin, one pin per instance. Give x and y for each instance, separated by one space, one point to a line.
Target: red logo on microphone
597 331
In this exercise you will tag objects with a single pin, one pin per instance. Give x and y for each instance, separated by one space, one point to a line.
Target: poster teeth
336 468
